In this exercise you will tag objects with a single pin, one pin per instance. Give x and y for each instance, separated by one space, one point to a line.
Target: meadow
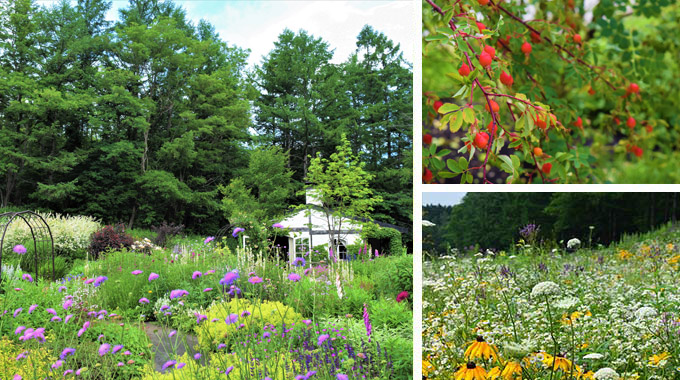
217 310
544 311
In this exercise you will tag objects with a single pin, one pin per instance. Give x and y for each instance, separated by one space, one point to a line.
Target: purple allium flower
322 338
340 376
22 355
51 311
67 372
294 277
32 308
136 272
104 349
66 352
255 280
68 318
180 365
17 311
229 278
177 293
267 334
277 225
197 356
232 318
27 277
172 333
67 304
307 322
236 231
207 290
200 317
144 300
165 307
19 249
299 262
153 276
245 313
17 377
120 364
89 281
57 364
168 364
117 348
99 280
221 346
19 330
196 275
209 239
55 319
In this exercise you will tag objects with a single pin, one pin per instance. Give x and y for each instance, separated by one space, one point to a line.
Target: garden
160 304
568 309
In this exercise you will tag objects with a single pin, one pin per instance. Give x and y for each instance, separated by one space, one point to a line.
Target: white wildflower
606 374
573 243
594 355
545 288
566 303
645 312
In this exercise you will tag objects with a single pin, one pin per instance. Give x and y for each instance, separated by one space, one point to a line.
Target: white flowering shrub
71 234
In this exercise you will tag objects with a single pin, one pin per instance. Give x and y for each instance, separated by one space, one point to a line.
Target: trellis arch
40 232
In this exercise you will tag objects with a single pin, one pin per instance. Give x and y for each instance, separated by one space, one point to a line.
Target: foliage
35 367
71 234
261 314
394 275
166 231
109 238
341 186
374 231
549 92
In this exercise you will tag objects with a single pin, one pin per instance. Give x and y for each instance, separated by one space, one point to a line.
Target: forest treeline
143 119
493 220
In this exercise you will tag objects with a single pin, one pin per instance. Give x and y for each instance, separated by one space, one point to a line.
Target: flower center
471 365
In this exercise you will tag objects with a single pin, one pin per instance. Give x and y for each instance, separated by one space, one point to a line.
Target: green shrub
394 275
390 313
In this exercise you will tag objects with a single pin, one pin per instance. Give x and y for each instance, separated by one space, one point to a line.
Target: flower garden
556 313
212 309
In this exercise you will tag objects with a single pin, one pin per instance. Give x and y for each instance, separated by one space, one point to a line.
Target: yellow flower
512 371
494 374
481 349
669 246
470 372
427 368
557 363
623 254
655 360
674 260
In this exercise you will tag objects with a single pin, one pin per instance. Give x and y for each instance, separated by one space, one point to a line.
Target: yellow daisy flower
558 362
655 360
470 372
481 349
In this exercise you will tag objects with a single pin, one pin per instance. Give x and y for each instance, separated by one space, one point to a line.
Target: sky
444 199
255 25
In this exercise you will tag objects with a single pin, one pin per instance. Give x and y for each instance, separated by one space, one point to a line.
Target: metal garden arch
43 244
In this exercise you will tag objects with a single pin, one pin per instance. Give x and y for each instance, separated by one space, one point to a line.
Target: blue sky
444 199
257 24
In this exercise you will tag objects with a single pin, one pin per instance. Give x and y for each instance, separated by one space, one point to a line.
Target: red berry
490 50
526 48
506 79
485 59
541 123
481 140
492 128
579 122
483 2
538 151
649 128
427 175
591 91
427 139
480 26
634 88
547 167
631 123
494 106
437 104
636 150
577 38
535 37
464 70
617 121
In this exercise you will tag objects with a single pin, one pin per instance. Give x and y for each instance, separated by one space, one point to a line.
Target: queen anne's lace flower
645 312
573 243
545 288
606 374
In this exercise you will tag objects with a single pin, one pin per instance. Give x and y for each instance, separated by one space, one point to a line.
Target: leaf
507 160
453 165
443 152
515 161
463 163
461 92
456 123
446 174
469 115
448 107
469 177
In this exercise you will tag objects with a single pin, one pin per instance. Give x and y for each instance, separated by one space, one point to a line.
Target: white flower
545 288
606 374
645 312
594 355
573 243
566 303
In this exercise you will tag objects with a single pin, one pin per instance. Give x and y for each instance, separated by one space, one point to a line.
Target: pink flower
255 280
19 249
32 308
207 289
51 311
117 348
169 363
67 304
294 277
68 318
153 276
180 365
231 318
177 293
27 277
172 333
402 296
144 300
17 311
104 349
136 272
196 275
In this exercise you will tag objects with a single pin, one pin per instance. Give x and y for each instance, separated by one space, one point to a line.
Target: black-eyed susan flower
470 371
481 349
659 360
427 368
557 362
512 371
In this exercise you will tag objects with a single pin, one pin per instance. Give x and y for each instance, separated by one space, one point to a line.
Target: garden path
163 345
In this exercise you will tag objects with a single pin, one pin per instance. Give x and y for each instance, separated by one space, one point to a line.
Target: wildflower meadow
555 310
206 308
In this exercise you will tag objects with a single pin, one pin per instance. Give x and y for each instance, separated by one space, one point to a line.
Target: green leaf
448 107
453 165
446 174
463 163
468 177
469 115
515 161
456 122
460 92
443 152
